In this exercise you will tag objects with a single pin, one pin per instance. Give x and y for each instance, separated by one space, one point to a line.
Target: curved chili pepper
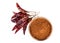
21 19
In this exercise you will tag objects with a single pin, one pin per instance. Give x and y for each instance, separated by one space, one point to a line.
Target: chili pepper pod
22 18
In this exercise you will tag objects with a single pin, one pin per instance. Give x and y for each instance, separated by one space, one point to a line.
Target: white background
49 9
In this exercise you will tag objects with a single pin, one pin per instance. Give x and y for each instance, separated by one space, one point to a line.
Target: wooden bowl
40 28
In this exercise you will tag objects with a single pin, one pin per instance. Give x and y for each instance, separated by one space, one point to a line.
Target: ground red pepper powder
40 28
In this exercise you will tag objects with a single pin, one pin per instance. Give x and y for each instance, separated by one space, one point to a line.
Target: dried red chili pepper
20 9
21 19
